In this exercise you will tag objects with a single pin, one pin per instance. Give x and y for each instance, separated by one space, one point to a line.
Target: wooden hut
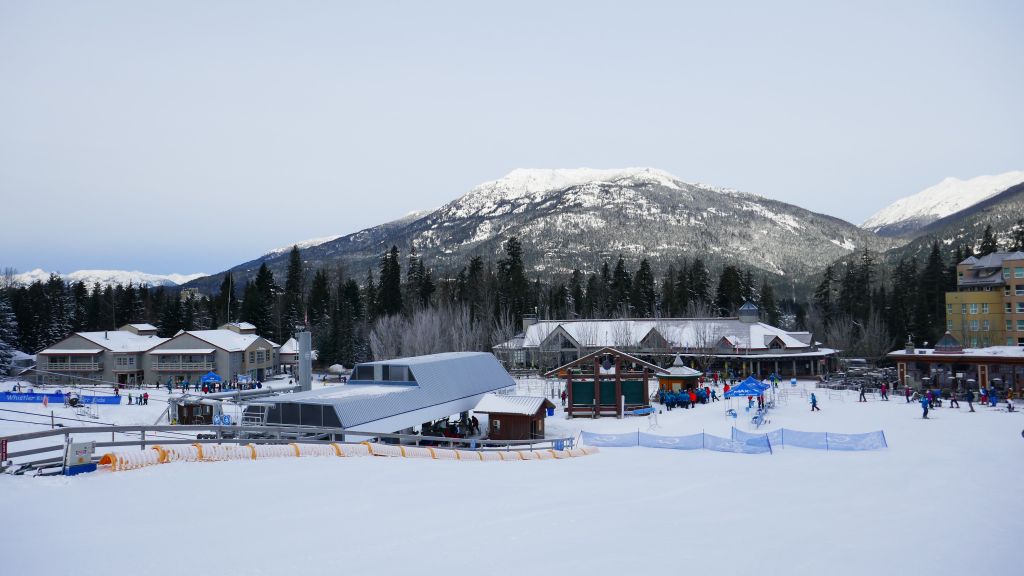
679 377
514 417
607 382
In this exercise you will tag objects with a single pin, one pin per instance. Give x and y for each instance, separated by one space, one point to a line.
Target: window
949 308
984 325
963 308
1006 273
252 357
949 325
1009 325
974 325
974 341
1020 325
974 308
984 308
1018 272
1020 307
1007 308
1019 289
1006 290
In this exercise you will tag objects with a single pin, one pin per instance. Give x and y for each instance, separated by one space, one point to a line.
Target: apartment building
987 308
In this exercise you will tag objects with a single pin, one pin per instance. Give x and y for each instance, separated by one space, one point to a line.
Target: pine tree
390 294
319 298
513 287
767 305
621 288
988 242
170 317
8 332
824 301
668 292
699 283
292 311
576 296
643 296
58 324
729 295
1018 236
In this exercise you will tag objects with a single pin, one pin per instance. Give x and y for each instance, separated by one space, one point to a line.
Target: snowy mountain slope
1003 212
952 195
110 277
303 244
575 218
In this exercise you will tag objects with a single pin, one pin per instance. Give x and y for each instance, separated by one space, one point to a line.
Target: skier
924 406
814 403
906 391
145 398
969 397
952 400
885 391
862 398
129 398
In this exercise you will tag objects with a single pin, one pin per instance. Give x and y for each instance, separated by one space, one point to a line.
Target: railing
247 435
72 366
184 366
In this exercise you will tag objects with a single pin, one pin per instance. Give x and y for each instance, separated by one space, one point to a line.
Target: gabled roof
228 340
679 333
503 404
291 346
603 351
122 340
679 369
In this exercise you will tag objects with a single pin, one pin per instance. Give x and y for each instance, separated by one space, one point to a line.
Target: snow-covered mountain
576 218
948 197
110 277
301 245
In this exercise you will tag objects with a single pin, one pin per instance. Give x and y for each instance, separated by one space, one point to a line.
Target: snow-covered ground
940 500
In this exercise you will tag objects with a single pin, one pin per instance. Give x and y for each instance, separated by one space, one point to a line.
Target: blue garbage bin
551 411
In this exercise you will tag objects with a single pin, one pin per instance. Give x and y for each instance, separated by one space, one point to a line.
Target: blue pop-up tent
210 377
749 387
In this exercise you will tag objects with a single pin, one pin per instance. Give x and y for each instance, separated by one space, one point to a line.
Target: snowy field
940 500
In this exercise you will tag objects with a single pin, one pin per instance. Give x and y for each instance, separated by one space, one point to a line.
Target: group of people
687 398
883 392
210 387
932 399
140 400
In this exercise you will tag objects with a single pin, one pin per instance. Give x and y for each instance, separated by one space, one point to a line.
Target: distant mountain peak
949 196
110 277
533 181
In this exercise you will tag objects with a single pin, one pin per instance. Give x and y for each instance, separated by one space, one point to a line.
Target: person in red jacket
693 398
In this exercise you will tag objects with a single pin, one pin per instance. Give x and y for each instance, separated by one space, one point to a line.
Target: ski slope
937 502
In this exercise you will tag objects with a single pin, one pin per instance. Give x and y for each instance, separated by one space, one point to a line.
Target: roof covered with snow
992 353
506 404
687 333
228 340
122 340
440 379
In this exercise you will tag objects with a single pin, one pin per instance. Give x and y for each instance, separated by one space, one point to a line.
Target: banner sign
34 398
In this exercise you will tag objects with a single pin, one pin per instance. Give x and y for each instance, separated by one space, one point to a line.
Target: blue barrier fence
756 445
34 398
819 440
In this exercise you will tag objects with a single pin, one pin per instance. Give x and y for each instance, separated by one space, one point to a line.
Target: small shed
514 417
607 382
679 377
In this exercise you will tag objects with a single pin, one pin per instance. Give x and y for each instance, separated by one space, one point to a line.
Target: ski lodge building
117 356
741 344
230 351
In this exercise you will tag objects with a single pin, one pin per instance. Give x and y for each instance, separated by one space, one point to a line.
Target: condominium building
94 357
987 308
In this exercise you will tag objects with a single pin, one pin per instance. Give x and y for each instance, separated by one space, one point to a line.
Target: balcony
72 366
185 366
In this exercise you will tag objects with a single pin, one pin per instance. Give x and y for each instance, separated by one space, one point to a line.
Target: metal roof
502 404
440 379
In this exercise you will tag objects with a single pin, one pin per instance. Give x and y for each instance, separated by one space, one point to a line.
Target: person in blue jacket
814 403
924 406
993 396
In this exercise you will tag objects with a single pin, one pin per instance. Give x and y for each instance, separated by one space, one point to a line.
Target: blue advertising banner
34 398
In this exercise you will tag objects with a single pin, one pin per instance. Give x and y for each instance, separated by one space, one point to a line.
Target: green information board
582 393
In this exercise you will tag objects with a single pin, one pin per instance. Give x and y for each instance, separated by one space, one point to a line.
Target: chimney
105 337
528 320
909 348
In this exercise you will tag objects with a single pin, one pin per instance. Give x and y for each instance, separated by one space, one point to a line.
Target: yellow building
988 307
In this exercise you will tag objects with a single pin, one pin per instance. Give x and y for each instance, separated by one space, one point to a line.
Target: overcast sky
191 136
